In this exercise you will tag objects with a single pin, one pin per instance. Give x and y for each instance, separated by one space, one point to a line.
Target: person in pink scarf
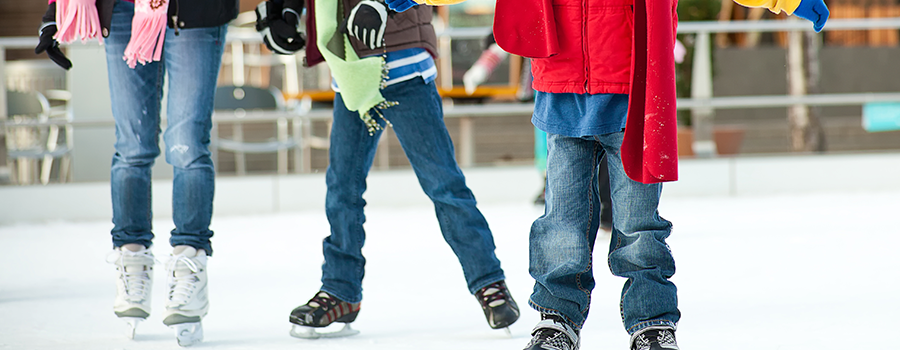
148 43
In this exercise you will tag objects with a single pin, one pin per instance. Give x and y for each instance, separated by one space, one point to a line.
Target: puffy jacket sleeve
776 6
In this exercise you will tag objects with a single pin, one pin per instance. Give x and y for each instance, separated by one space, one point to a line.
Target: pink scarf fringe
148 31
77 19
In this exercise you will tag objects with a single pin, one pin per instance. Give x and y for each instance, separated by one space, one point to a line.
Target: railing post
237 63
300 144
466 142
282 163
307 133
701 89
3 115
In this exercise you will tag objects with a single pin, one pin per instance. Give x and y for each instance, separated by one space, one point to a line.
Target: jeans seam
158 93
360 163
587 236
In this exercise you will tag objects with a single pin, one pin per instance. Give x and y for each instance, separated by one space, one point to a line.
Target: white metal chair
36 135
244 104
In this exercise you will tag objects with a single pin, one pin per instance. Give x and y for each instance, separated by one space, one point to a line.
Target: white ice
813 271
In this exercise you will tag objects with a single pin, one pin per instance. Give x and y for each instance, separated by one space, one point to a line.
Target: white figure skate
133 285
187 302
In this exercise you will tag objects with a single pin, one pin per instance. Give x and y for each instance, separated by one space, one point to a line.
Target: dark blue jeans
191 60
562 240
419 125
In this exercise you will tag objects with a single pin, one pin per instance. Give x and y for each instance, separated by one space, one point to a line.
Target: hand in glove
815 11
400 5
47 43
367 22
278 21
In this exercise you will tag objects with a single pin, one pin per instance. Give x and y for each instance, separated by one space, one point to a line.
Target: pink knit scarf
79 19
148 31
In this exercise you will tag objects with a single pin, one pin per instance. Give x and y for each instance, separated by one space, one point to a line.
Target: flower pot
728 140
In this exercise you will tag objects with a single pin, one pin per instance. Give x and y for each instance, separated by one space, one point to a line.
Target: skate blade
188 334
508 332
306 332
131 325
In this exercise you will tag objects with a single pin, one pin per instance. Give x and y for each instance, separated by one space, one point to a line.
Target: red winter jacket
605 46
594 48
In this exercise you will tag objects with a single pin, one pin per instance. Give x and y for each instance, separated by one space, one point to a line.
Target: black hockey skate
654 338
499 307
320 312
553 333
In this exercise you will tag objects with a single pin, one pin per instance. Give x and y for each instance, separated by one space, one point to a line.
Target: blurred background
750 83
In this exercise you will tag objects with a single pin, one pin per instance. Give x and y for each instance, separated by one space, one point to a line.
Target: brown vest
408 29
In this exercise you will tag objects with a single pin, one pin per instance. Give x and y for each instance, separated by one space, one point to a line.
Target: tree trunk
803 65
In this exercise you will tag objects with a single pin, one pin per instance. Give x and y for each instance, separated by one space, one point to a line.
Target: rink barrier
295 129
782 175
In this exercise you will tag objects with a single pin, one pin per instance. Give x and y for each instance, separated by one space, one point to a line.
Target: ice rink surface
813 271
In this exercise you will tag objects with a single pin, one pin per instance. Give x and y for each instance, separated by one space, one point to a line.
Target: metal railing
701 102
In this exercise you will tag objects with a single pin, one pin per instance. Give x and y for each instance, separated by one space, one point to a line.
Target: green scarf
360 80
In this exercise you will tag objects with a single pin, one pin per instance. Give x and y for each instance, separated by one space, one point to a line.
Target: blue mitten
403 5
813 10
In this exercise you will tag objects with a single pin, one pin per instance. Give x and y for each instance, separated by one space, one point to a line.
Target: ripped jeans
191 62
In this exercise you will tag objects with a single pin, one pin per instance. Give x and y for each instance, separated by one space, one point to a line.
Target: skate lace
552 333
322 300
551 339
136 282
181 288
494 295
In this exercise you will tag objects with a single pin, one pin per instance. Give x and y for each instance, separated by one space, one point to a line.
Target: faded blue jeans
419 125
191 63
562 240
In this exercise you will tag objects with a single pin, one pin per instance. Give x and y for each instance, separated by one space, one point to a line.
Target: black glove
278 21
104 11
367 22
47 43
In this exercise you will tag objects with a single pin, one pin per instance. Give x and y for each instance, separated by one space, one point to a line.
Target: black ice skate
654 338
499 307
552 333
320 312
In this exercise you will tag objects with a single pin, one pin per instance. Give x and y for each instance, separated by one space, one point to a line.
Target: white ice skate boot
187 301
133 284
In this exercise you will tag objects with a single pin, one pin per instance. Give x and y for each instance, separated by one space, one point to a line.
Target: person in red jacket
604 77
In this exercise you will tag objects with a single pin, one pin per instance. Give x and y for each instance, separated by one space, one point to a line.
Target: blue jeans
419 125
191 60
562 240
